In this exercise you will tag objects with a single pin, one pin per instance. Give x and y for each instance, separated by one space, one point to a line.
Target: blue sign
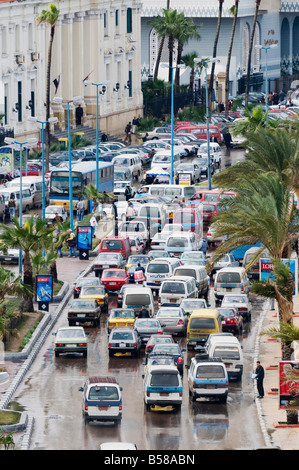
84 238
266 270
44 288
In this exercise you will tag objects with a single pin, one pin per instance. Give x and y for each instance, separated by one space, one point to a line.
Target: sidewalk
272 419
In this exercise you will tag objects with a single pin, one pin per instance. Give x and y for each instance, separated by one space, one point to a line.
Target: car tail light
120 407
180 322
59 344
86 407
148 394
82 344
159 299
181 393
159 331
109 345
242 309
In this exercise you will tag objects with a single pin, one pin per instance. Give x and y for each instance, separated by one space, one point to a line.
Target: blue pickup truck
241 250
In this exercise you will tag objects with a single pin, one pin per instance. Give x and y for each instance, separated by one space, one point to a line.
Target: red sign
266 266
42 279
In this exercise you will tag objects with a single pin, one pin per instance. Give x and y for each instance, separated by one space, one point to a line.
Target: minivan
162 159
162 386
138 297
183 192
207 378
190 218
176 288
201 324
179 242
200 275
158 270
154 216
229 349
132 162
232 280
102 399
27 199
116 245
35 184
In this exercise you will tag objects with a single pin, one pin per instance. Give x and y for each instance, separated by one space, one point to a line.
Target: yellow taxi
98 293
121 317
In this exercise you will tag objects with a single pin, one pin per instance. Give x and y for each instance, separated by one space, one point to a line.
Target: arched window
285 47
245 47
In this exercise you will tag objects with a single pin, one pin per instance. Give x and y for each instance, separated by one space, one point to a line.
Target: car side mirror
80 389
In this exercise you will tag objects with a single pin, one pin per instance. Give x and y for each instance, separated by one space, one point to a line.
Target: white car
240 302
159 239
215 152
134 227
137 244
192 169
159 133
123 188
51 211
211 239
227 260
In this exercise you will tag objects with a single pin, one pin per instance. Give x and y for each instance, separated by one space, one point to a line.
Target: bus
83 174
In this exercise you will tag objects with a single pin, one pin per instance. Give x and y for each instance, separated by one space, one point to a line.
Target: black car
146 327
86 281
204 166
172 350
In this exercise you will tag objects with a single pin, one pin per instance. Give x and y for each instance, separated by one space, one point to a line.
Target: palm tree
160 48
186 30
7 441
234 11
29 238
188 60
211 84
49 17
91 192
257 6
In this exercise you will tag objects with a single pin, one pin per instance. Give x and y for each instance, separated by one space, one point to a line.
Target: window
116 17
20 101
129 20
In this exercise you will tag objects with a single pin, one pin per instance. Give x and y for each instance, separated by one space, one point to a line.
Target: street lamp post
97 85
50 121
266 48
20 145
74 100
205 63
178 66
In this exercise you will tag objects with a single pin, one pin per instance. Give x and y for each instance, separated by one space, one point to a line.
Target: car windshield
113 274
177 242
103 393
193 304
164 379
192 255
78 303
211 197
227 352
210 371
160 340
91 290
155 268
138 259
147 323
169 312
138 300
161 158
226 312
119 184
122 335
131 227
172 349
107 257
234 299
70 333
53 210
185 272
89 282
209 208
202 323
229 277
122 314
112 245
173 287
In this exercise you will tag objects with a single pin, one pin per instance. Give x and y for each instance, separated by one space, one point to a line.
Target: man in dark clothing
140 268
79 114
227 139
143 313
260 374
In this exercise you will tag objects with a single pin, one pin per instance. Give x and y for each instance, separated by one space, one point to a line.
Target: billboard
84 238
289 385
44 288
266 270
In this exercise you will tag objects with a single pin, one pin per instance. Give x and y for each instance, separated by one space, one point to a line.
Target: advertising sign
266 270
84 238
185 178
289 385
44 288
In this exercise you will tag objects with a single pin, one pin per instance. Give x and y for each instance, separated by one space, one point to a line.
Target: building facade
95 38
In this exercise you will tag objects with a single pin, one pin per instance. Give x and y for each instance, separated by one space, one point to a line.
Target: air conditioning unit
35 56
20 58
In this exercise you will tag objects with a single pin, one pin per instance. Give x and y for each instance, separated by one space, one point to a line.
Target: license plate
103 408
228 289
164 394
122 345
223 322
210 386
7 259
112 283
157 282
105 266
173 300
70 345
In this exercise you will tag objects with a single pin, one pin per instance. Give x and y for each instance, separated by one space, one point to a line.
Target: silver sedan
173 320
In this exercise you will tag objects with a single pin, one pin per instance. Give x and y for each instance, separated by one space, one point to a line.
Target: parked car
113 279
203 164
84 311
124 340
106 261
72 339
158 133
146 327
84 281
240 302
231 320
190 169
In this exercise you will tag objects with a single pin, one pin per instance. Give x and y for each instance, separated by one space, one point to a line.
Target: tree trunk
177 70
214 53
229 57
28 280
159 58
53 271
48 82
257 5
170 48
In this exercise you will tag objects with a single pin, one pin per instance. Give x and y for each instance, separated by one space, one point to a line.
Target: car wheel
85 354
56 354
110 353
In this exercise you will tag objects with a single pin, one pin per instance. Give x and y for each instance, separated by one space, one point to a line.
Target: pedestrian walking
71 243
204 246
104 137
80 206
59 248
259 376
227 139
79 114
128 131
12 207
94 224
135 124
130 212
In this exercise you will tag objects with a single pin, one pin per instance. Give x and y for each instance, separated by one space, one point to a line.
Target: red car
231 321
157 339
32 170
114 279
210 209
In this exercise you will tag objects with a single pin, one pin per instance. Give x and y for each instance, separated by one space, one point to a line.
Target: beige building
95 38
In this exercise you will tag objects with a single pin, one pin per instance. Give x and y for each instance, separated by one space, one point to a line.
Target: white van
132 162
232 280
154 216
162 386
200 275
27 198
162 159
229 349
158 270
177 288
35 184
183 192
179 242
137 298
